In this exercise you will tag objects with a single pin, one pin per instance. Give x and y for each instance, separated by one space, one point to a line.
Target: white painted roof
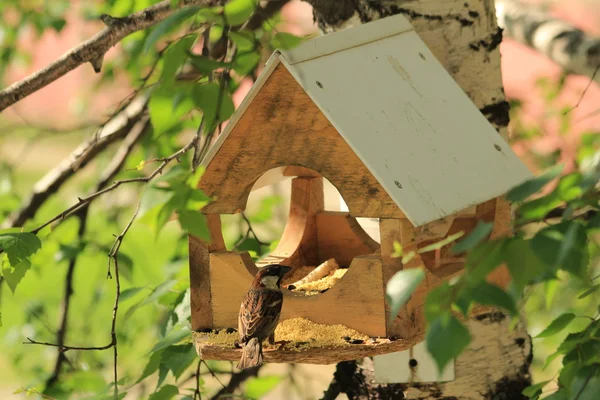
405 117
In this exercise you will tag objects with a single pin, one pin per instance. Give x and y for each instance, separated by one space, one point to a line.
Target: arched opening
296 217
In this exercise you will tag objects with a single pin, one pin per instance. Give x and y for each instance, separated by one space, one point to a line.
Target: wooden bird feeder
372 110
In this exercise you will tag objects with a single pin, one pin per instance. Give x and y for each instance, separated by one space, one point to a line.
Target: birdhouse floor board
301 352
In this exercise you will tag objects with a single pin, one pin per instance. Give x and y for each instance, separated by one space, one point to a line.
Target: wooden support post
200 285
298 245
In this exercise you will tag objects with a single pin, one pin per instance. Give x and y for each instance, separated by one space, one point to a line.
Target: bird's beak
284 270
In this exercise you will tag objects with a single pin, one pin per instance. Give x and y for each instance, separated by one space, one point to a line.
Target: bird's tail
251 355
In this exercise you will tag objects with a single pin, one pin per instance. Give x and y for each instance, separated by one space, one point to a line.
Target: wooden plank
298 244
411 319
200 286
315 355
341 237
294 170
357 299
281 127
418 122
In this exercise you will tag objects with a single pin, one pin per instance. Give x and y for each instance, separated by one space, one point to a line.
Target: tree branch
93 49
563 43
237 378
115 129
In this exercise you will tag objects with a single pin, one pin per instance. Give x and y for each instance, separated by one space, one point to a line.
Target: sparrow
259 313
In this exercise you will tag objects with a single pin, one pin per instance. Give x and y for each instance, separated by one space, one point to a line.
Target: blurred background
37 133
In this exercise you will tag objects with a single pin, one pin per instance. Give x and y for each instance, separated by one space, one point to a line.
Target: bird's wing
259 313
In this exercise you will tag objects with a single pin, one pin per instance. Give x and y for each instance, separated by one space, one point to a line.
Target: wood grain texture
298 244
283 127
316 355
200 278
341 237
356 301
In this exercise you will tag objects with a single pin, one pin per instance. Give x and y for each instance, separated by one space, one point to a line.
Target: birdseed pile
301 332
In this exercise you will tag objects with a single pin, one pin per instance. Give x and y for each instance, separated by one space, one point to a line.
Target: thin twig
237 378
584 90
93 49
115 129
212 373
85 200
112 255
197 393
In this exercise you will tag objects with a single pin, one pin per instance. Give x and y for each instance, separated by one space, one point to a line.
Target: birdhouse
372 110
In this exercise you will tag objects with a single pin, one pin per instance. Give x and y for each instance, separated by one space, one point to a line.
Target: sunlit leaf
14 274
532 390
168 24
194 222
441 243
205 64
165 393
523 263
129 293
19 246
167 106
481 231
401 287
178 358
447 337
589 292
534 185
176 335
258 387
557 325
175 56
206 97
244 40
244 63
285 41
487 294
151 367
238 11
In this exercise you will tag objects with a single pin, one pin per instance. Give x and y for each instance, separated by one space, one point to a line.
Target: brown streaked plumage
259 313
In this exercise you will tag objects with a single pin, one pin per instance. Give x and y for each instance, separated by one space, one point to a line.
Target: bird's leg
281 343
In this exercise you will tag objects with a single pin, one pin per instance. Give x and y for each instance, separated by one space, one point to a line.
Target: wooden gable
282 126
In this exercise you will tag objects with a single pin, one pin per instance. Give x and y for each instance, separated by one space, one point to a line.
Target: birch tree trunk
464 36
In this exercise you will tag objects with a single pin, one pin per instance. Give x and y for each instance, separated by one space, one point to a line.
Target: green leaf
206 98
441 243
522 262
563 246
483 259
175 56
168 24
151 367
447 337
586 384
438 301
589 292
401 287
128 293
487 294
194 222
179 358
166 392
550 288
206 65
19 246
238 11
481 231
533 390
258 387
557 325
14 275
167 106
244 40
534 185
285 41
244 63
175 335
